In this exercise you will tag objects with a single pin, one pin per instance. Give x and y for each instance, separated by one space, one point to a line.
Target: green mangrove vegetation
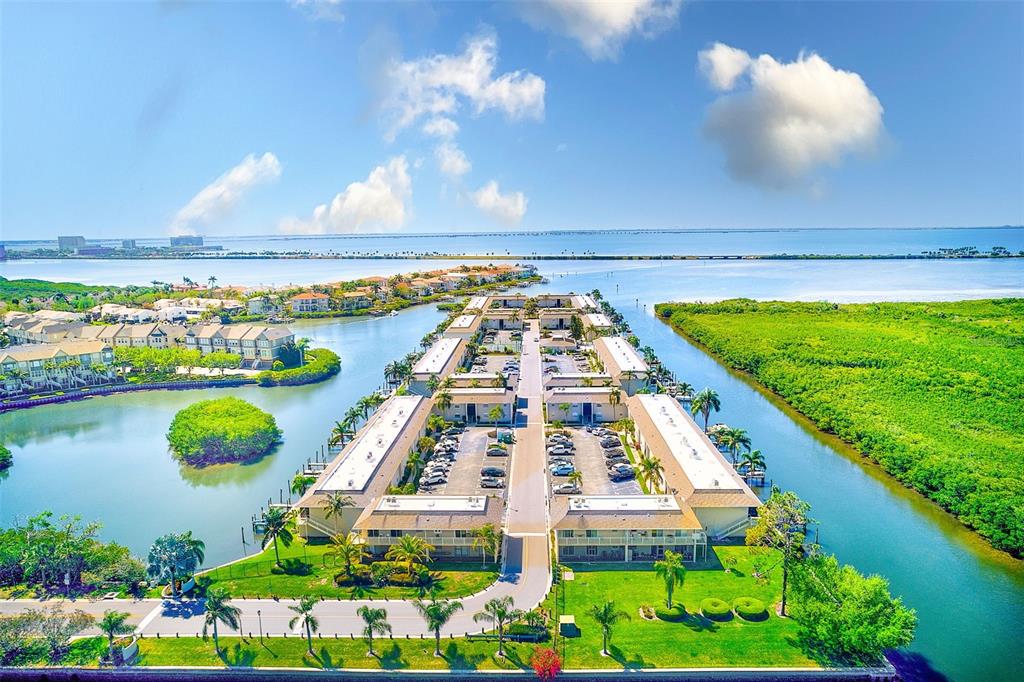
222 430
934 392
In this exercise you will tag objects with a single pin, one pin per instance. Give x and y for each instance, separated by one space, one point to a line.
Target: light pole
259 615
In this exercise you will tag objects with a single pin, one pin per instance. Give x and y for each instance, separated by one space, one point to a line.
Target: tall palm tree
565 407
499 612
304 615
753 461
651 470
335 506
433 382
734 439
211 282
443 400
365 406
576 478
496 413
448 383
488 539
300 483
219 610
301 346
499 380
409 549
113 624
347 549
671 570
376 623
606 616
342 429
614 397
277 525
352 415
704 402
437 614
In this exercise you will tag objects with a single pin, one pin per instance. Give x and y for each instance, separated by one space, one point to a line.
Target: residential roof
592 394
485 394
423 512
597 320
477 303
621 354
584 301
308 296
45 351
592 512
438 356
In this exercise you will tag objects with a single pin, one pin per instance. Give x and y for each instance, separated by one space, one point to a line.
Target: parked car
496 452
608 442
621 475
615 461
562 469
433 479
492 472
566 489
614 452
492 483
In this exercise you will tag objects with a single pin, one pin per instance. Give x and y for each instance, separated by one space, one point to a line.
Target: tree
409 549
753 461
734 439
576 328
57 627
651 470
433 382
576 478
781 525
277 525
704 402
174 556
499 612
443 400
300 483
336 505
342 429
488 539
437 614
499 380
219 610
496 413
347 549
546 663
614 397
301 346
375 622
671 570
304 611
606 616
113 624
211 282
846 616
564 408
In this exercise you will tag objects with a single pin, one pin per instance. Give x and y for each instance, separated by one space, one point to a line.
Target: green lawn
308 572
695 642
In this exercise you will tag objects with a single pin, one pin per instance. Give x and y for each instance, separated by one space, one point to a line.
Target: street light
259 615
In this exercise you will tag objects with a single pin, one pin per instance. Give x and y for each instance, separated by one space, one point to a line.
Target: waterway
106 459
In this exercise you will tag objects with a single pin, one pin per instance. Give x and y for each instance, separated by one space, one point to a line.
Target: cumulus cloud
436 86
451 160
319 10
508 208
723 65
373 205
791 118
218 198
442 127
601 27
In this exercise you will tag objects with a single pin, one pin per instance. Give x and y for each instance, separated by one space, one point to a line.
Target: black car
615 461
492 472
621 475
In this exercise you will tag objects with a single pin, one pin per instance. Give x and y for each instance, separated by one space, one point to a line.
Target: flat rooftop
622 503
598 320
584 301
372 444
477 390
437 356
624 355
425 504
702 463
580 390
462 322
477 303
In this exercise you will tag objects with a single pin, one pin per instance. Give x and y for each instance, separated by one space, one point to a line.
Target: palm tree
211 282
565 407
576 478
433 382
376 621
300 483
448 382
651 470
277 524
437 614
496 413
342 429
671 570
113 624
499 611
499 380
488 539
347 549
352 416
304 615
219 610
606 615
753 461
443 400
301 346
734 439
365 405
336 505
704 402
409 549
614 397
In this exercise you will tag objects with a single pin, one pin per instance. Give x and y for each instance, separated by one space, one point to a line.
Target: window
656 533
591 533
374 533
462 533
396 533
591 551
569 550
566 533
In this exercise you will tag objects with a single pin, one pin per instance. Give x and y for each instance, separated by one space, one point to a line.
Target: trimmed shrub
673 615
322 364
715 609
360 576
749 608
399 577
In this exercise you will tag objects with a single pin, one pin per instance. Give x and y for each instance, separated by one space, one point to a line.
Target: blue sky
135 119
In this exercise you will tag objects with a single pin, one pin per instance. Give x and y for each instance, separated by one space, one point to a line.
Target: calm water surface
107 459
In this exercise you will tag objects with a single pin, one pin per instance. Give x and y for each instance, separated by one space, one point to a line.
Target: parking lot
503 339
589 460
496 363
566 364
464 476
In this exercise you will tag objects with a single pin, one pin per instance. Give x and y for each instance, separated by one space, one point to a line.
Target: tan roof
564 519
480 394
309 296
45 351
590 394
373 518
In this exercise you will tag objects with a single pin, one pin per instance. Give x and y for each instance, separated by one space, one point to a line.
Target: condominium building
259 345
475 404
439 361
310 302
622 362
585 404
463 327
55 366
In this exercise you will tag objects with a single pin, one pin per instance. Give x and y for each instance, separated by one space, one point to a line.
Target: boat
393 313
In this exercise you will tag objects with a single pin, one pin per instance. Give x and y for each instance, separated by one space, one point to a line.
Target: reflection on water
219 475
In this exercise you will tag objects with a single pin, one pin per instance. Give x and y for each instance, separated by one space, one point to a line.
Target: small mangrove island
222 431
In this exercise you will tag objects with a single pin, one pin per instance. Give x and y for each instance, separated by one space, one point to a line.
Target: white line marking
144 623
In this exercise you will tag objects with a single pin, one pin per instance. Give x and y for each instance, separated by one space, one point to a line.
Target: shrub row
746 608
322 364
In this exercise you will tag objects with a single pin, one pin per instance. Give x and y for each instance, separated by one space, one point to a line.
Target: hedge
749 608
672 615
715 609
323 364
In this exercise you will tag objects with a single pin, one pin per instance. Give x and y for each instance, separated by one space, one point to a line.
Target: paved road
525 575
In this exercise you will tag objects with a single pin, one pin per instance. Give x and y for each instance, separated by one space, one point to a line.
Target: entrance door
588 412
471 413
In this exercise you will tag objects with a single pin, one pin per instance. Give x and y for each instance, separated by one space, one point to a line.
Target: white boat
393 313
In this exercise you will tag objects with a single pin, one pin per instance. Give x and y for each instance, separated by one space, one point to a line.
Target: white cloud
723 65
433 86
793 118
376 204
218 198
601 27
451 160
319 10
561 147
442 127
508 208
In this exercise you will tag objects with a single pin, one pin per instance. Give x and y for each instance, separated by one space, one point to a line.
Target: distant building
309 303
70 243
128 244
259 345
94 251
56 366
187 240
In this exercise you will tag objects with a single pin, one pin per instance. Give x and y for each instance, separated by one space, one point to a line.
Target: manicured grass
633 459
309 572
693 642
82 653
931 391
397 654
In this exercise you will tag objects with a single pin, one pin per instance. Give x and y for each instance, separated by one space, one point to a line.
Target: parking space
506 364
504 339
588 457
464 478
564 364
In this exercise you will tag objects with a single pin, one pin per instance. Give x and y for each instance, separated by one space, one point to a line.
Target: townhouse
64 365
309 302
